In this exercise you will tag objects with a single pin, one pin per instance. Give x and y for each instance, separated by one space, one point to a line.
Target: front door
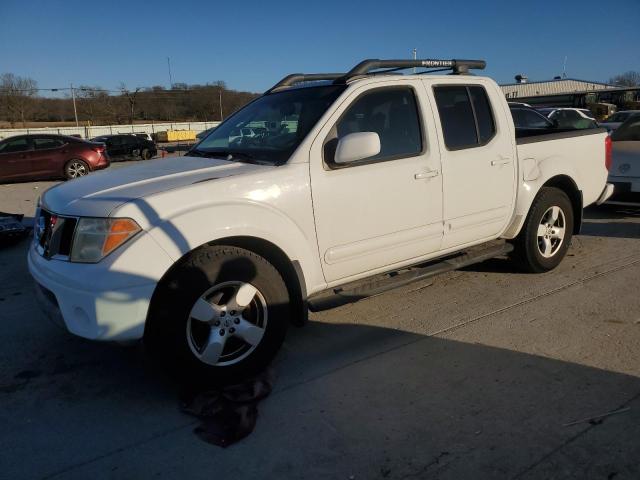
386 209
478 163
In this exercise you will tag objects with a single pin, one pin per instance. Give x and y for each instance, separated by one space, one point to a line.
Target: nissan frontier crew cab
352 183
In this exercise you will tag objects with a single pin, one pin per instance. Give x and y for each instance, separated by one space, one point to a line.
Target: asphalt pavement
479 373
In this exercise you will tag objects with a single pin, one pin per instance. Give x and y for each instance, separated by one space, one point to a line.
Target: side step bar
354 291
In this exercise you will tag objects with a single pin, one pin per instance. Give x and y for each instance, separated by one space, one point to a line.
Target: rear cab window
465 115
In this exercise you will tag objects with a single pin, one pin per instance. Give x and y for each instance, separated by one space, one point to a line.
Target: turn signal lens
95 238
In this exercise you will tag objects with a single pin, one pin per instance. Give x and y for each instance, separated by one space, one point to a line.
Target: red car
33 157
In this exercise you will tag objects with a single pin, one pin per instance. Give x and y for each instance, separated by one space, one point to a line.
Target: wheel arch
290 270
568 186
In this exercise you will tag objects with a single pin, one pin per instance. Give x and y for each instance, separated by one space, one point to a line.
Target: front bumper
102 301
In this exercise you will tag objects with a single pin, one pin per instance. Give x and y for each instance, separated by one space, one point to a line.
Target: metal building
525 89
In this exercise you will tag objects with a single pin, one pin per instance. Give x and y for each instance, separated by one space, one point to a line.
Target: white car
625 169
576 118
209 257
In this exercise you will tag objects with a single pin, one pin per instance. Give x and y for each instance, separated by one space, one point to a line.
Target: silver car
625 165
617 119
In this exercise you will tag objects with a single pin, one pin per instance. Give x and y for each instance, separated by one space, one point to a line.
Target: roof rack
304 77
459 67
368 67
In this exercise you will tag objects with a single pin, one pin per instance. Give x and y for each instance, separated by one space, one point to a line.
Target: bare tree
16 95
131 98
626 79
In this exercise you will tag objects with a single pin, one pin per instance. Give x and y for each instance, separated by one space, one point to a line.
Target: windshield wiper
229 155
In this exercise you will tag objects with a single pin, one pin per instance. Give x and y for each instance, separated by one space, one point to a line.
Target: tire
192 313
145 154
76 168
543 241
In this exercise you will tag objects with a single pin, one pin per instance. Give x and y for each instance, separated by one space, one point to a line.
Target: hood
97 194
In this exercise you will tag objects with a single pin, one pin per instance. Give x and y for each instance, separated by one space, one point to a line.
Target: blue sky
250 45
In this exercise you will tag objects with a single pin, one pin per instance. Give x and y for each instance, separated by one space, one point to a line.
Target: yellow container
176 135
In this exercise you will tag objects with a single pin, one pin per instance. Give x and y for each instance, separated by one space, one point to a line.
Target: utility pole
73 96
220 100
170 79
564 68
415 57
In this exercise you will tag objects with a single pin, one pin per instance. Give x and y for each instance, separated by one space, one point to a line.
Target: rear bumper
626 190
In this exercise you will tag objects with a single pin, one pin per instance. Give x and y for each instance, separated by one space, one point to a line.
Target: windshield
619 117
269 129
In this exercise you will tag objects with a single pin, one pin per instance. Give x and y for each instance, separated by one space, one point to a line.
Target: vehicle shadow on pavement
611 221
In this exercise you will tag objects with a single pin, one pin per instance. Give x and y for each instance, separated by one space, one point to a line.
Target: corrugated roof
552 87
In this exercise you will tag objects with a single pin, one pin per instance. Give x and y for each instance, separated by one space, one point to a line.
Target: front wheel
546 233
146 154
220 317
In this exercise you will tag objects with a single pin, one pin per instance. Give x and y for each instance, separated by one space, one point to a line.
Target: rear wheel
220 317
75 168
546 233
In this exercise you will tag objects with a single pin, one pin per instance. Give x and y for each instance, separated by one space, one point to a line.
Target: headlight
95 238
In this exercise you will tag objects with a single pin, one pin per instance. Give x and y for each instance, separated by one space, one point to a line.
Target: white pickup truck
362 181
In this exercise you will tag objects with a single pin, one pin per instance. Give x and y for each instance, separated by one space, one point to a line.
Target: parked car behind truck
383 179
128 147
625 168
40 156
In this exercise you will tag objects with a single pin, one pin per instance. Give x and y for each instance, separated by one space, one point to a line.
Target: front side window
392 113
269 129
15 146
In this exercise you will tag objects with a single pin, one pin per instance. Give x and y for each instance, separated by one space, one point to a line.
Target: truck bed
531 135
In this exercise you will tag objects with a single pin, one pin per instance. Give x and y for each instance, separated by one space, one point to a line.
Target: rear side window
44 143
465 115
484 116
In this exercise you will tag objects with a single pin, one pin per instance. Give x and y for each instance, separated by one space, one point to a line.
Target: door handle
427 174
502 161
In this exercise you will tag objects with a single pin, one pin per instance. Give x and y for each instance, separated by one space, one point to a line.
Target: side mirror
357 146
555 122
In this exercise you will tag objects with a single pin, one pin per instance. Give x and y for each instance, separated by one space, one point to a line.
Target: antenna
170 79
564 68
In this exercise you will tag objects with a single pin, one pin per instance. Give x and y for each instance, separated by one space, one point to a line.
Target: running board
354 291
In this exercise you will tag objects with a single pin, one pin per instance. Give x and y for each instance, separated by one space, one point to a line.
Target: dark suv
127 147
33 157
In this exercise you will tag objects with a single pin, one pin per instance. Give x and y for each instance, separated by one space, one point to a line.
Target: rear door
15 162
47 156
478 163
386 209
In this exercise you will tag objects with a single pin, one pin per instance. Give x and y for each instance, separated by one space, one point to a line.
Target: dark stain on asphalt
27 374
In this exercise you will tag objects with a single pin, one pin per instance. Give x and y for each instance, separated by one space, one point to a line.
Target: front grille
54 234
